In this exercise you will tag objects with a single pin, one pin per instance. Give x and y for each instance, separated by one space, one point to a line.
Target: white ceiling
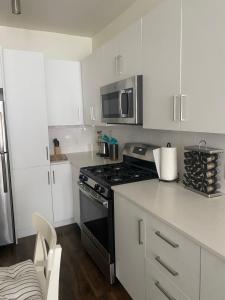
76 17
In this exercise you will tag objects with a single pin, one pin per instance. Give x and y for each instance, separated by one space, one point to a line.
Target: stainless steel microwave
122 101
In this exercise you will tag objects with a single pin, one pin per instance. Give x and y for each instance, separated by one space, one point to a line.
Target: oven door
97 223
118 106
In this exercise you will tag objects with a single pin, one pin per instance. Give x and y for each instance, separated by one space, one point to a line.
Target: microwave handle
121 93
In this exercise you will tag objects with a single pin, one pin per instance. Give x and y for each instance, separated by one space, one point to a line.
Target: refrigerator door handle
4 174
3 147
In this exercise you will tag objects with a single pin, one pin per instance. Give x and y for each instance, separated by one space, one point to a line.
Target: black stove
97 205
102 178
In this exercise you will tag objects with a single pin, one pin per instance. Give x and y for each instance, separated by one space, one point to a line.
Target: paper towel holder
159 157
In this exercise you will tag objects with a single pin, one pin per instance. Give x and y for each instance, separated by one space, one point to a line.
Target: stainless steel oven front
122 101
97 229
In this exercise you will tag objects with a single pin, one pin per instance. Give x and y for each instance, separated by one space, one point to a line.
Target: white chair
38 280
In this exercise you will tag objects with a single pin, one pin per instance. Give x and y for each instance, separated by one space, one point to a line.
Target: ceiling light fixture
16 9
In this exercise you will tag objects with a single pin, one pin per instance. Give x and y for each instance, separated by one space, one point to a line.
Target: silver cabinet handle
175 108
53 176
164 265
48 178
163 291
119 57
165 239
46 148
116 64
140 241
92 113
182 97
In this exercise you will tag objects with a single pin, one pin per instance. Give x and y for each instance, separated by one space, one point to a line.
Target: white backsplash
83 139
126 134
72 139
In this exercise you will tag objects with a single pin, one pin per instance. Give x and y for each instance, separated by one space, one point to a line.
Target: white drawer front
175 256
159 287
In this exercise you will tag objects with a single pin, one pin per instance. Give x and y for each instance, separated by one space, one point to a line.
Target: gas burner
115 178
99 171
118 168
136 175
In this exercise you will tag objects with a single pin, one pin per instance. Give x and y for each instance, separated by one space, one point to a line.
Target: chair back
47 257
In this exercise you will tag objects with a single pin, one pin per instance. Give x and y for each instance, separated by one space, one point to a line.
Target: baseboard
64 222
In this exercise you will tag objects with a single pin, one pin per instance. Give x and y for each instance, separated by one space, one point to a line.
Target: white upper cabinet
1 69
91 82
64 92
122 54
130 46
161 66
26 109
111 61
203 65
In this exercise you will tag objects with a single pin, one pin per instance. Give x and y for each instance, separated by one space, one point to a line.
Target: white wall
73 139
126 134
53 45
138 9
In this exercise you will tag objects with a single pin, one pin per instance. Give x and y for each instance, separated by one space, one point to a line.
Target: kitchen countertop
199 218
86 159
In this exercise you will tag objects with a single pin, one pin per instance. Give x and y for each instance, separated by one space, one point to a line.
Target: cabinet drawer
159 287
175 256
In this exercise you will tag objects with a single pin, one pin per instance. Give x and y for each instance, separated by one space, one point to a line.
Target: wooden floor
79 277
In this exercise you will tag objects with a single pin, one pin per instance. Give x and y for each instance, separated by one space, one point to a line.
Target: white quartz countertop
199 218
86 159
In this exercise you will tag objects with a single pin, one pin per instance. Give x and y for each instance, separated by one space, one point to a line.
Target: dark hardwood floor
79 277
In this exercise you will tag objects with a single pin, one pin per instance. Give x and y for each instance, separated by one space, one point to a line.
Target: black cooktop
114 174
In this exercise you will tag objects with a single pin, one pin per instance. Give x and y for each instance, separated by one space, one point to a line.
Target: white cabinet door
122 54
161 65
1 69
62 194
212 277
130 46
130 247
31 193
111 61
64 92
76 194
26 108
203 61
91 82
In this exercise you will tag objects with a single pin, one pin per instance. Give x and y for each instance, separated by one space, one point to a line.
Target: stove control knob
101 190
83 178
96 187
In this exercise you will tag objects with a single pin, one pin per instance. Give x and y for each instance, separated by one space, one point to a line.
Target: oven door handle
84 190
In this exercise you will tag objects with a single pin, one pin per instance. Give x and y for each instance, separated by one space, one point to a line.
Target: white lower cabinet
31 193
159 287
62 194
130 247
46 190
212 277
153 260
175 256
76 194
